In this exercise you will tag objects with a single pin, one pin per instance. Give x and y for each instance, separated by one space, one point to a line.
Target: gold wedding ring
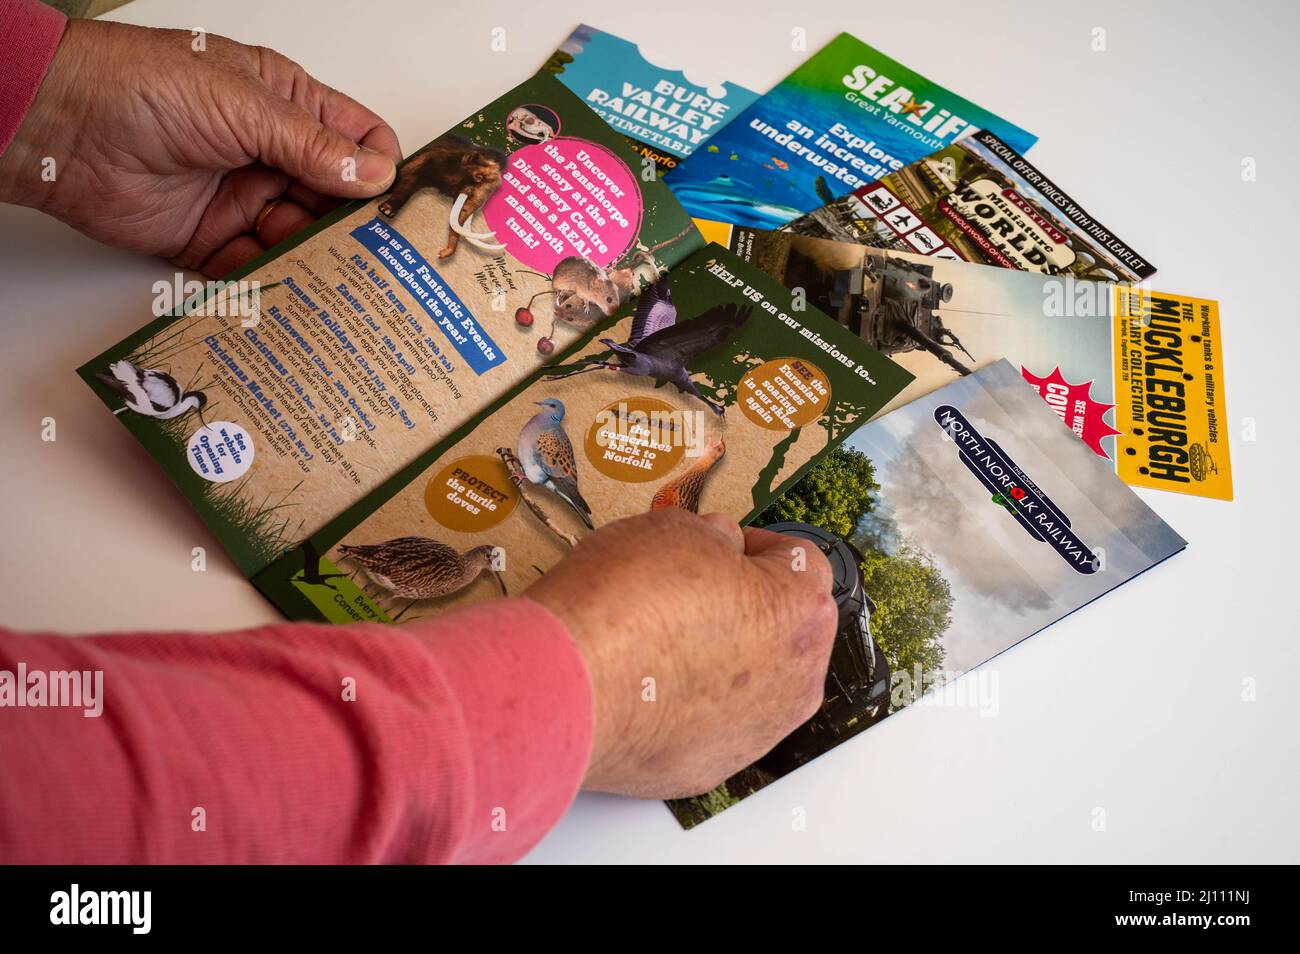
261 216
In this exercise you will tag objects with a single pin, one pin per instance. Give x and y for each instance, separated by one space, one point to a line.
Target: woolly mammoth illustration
460 170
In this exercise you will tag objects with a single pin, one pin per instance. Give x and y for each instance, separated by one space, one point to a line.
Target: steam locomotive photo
857 684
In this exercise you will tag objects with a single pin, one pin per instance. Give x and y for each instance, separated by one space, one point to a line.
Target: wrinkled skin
736 639
167 151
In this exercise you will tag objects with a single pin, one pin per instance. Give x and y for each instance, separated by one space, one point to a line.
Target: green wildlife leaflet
978 200
664 114
711 392
846 117
280 399
978 520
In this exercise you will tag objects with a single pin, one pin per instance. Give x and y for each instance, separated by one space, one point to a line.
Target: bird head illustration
554 409
200 402
713 452
627 357
485 558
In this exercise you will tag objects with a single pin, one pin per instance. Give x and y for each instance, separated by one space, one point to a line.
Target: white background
1132 706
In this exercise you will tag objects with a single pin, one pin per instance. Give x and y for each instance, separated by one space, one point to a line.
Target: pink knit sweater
29 33
458 740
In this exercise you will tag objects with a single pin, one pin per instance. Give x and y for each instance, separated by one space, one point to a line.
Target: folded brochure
338 358
1136 374
710 392
978 520
846 117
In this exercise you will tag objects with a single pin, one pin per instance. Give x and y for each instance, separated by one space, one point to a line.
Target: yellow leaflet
1169 392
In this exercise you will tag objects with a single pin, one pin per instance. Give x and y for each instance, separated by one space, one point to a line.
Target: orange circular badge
471 494
637 439
784 394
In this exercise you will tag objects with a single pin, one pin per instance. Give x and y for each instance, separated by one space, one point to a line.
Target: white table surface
1133 705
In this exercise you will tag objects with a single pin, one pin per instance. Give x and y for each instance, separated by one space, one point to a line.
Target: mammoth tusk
462 230
477 239
466 233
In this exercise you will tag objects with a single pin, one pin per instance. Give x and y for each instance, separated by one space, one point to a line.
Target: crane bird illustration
418 568
151 392
661 348
686 488
546 454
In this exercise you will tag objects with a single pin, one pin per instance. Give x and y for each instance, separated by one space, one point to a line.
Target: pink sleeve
463 739
29 33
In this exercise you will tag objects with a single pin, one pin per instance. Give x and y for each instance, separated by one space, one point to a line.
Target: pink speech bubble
562 198
1074 405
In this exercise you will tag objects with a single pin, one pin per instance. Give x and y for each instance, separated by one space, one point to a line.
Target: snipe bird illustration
418 568
151 392
660 348
685 489
546 454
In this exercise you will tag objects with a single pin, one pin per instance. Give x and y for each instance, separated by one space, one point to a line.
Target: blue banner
1022 498
435 296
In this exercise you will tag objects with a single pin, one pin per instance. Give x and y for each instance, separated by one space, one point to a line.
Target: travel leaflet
1136 374
664 114
711 392
979 200
846 117
972 520
278 399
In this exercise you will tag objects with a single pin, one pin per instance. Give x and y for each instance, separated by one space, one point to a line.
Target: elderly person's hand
142 141
706 645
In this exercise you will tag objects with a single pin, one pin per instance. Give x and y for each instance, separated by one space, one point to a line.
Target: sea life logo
880 89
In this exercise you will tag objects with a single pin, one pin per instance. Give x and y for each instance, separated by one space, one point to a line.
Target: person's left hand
166 150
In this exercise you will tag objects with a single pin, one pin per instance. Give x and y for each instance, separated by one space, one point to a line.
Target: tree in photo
834 494
913 606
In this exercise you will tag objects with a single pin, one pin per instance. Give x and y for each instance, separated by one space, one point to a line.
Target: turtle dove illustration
546 454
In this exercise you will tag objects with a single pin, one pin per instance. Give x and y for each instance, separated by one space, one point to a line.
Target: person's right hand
734 634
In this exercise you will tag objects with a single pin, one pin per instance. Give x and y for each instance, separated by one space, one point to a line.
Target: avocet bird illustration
151 392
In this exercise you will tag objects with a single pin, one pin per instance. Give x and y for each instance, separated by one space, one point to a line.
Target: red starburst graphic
1074 405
